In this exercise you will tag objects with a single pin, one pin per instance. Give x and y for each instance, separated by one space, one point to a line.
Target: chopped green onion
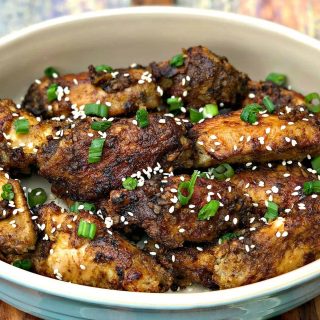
51 72
95 150
21 126
313 102
7 192
249 113
87 229
315 162
100 125
25 264
209 210
94 109
85 206
103 67
222 172
36 197
130 183
269 104
195 115
310 187
174 103
189 187
210 110
277 78
228 236
52 92
177 60
142 117
272 211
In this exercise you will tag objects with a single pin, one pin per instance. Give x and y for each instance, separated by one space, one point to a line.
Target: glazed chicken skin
127 150
155 208
282 184
123 90
268 251
107 261
17 234
226 138
280 96
17 150
204 76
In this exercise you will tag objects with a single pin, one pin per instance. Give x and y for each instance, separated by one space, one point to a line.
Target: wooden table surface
302 15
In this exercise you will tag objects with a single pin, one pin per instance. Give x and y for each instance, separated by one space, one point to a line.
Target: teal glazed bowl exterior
119 38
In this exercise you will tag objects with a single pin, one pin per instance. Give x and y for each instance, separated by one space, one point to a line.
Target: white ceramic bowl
120 37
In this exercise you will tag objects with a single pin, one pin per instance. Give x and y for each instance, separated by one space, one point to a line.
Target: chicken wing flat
128 149
270 250
156 209
124 90
226 138
107 261
203 78
17 234
282 184
280 96
18 150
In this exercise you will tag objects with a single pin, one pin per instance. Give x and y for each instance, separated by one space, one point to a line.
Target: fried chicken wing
127 150
282 184
156 209
226 138
270 250
107 261
18 151
204 76
124 90
280 96
17 234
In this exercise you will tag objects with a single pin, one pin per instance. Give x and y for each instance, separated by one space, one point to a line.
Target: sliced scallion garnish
94 109
222 172
95 150
36 197
315 162
130 183
142 117
51 72
313 102
25 264
100 125
177 60
103 67
21 126
187 187
52 92
310 187
277 78
272 211
87 229
269 104
209 210
7 192
250 113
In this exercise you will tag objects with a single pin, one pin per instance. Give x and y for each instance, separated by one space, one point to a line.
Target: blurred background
302 15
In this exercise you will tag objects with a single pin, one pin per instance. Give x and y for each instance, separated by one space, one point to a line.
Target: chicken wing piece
156 209
128 149
226 138
107 261
270 250
282 184
203 78
280 96
124 90
17 234
17 150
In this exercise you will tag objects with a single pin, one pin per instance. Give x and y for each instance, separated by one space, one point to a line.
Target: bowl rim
157 301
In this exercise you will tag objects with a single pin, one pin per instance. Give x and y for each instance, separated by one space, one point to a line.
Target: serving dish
146 34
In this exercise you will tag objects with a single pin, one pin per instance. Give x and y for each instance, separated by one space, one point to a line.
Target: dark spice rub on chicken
280 183
124 90
226 138
108 261
280 96
271 250
18 151
127 150
208 78
156 209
